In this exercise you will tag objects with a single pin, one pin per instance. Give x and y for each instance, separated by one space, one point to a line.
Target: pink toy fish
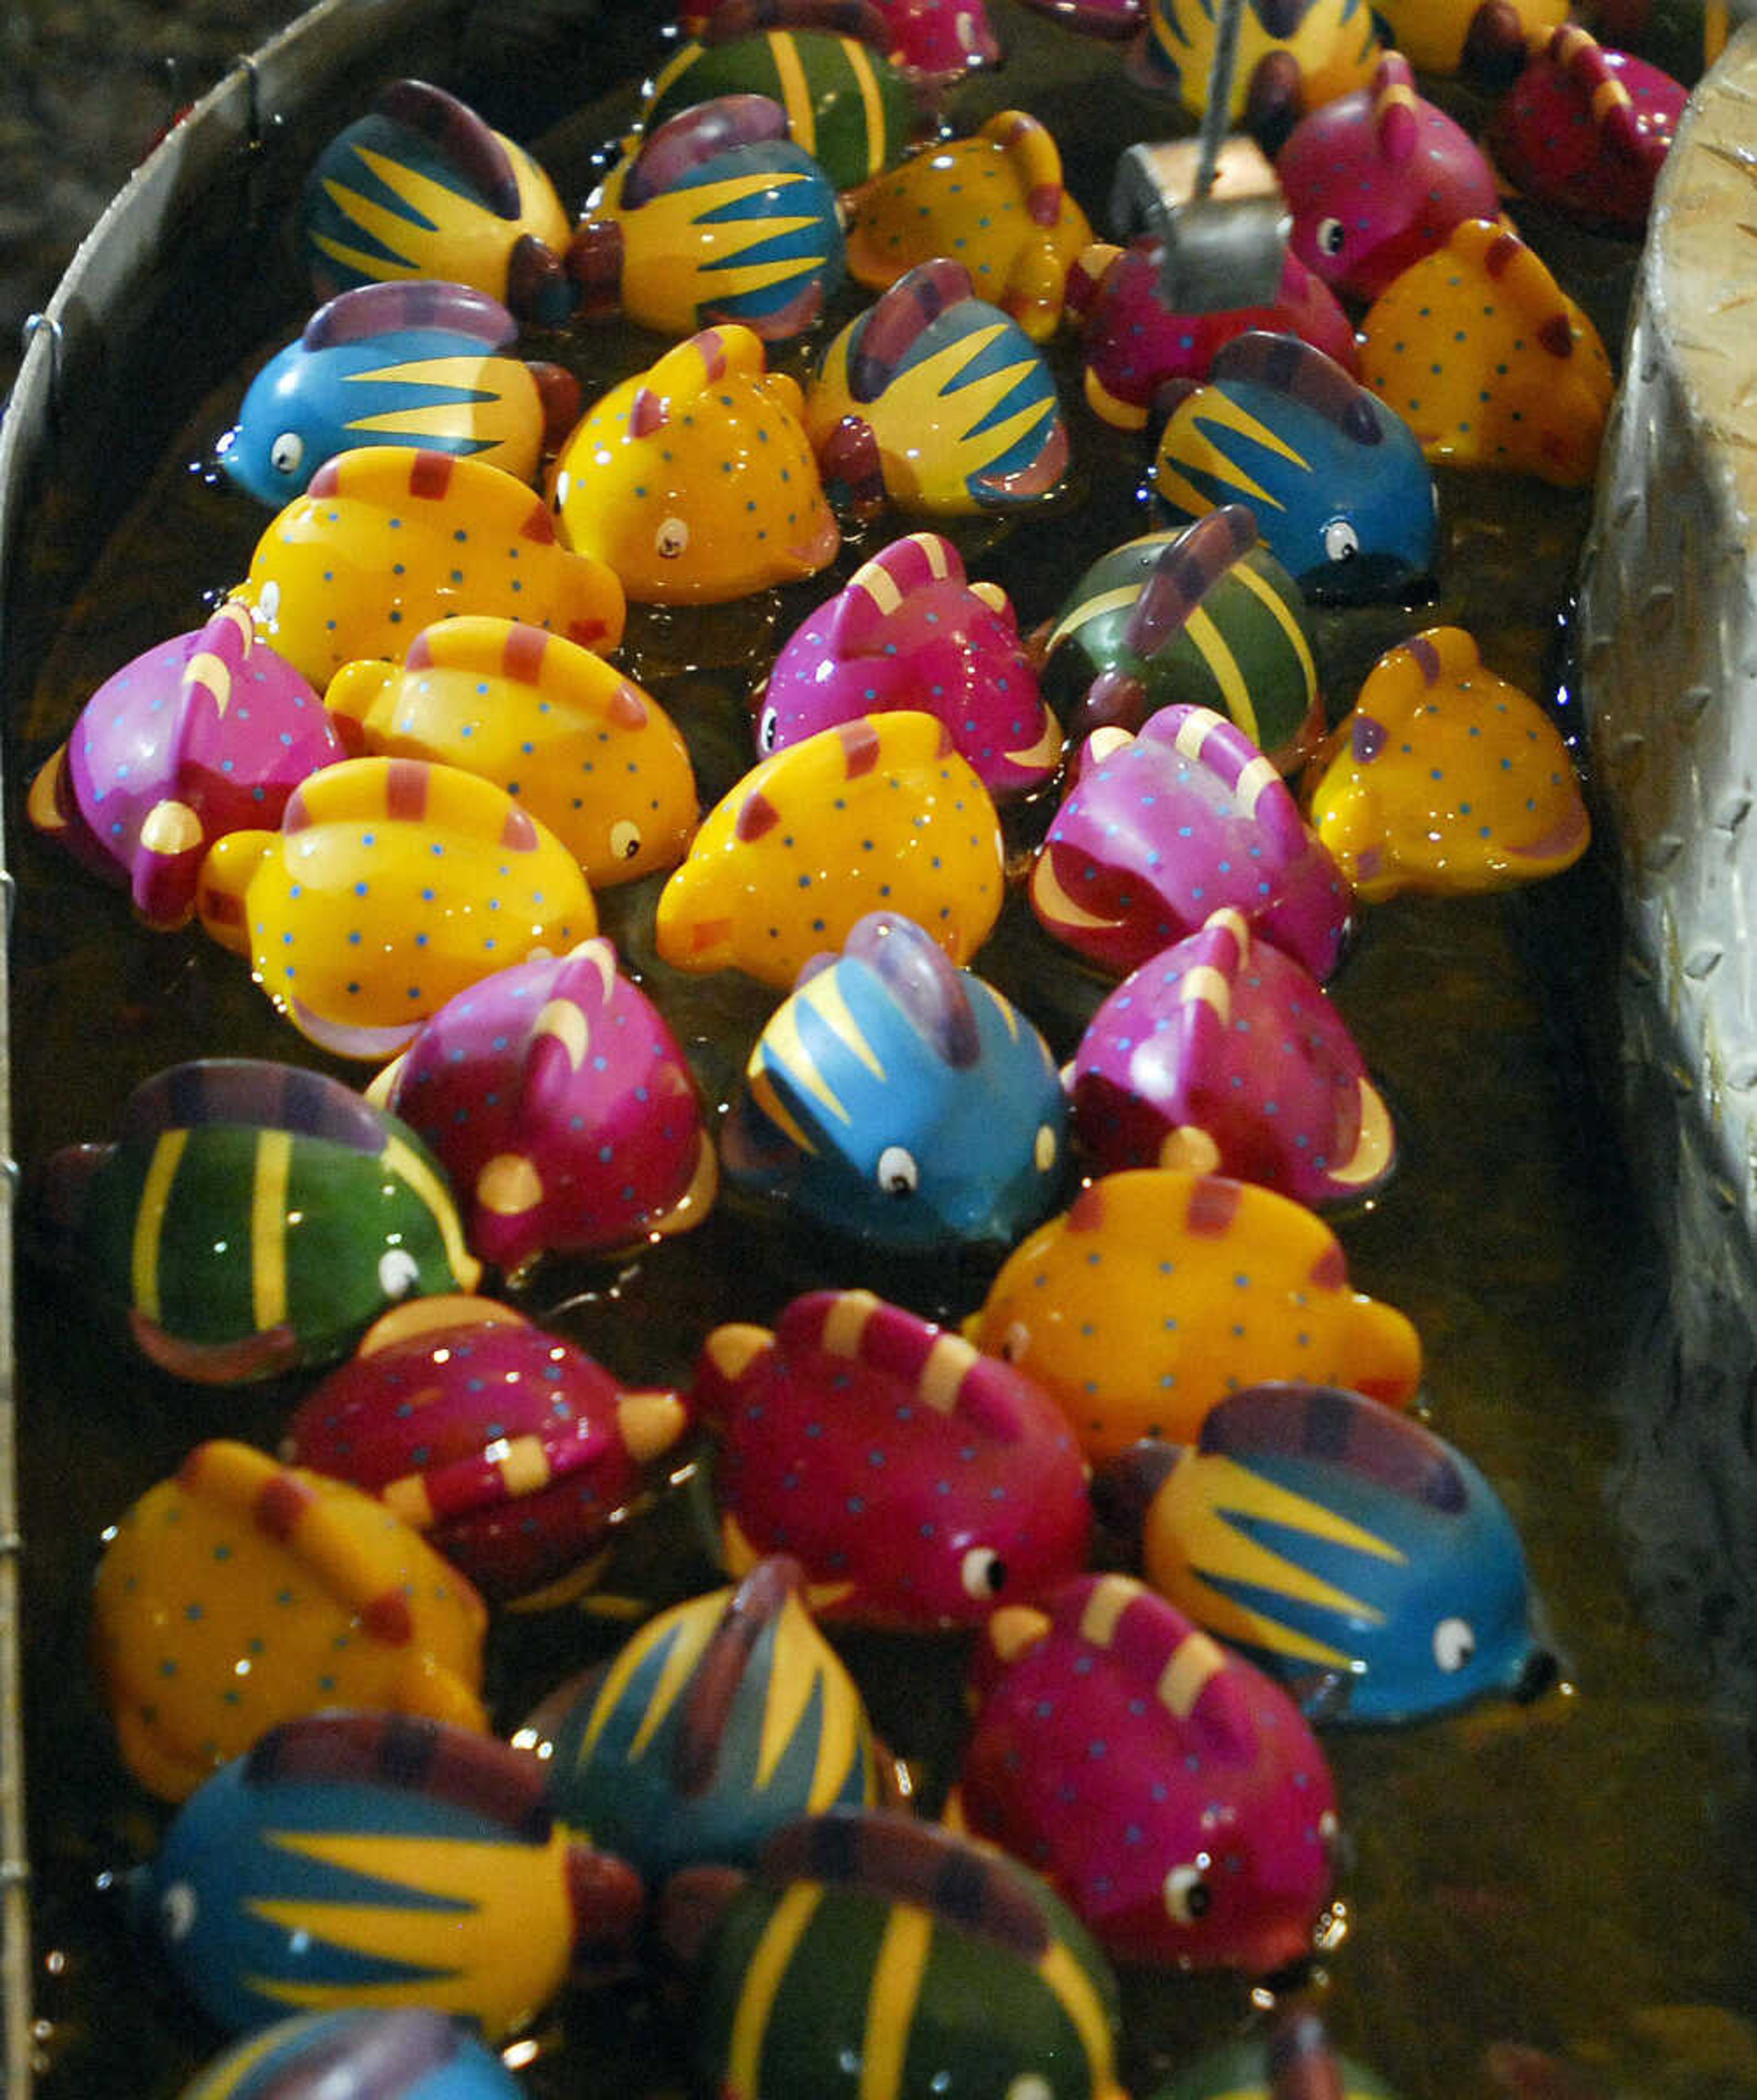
908 631
1171 1794
918 1480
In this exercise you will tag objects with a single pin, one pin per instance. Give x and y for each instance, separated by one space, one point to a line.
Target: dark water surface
1543 1901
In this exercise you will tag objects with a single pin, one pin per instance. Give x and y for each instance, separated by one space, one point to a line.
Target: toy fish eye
1331 235
1187 1896
1030 2085
177 1910
1015 1342
398 1272
286 455
1342 543
625 840
982 1572
1454 1643
898 1173
1045 1148
671 539
768 728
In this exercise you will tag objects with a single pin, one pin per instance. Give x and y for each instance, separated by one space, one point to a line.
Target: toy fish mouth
1366 579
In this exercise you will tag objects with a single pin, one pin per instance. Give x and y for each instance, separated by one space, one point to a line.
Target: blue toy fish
1343 496
403 2053
901 1099
417 363
1349 1551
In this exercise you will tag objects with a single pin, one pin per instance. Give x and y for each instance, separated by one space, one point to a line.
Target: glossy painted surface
879 815
1465 35
1223 1053
209 733
1289 2055
900 1101
1349 1551
1446 779
1336 481
693 481
1168 1791
590 754
1159 830
1159 1291
404 2054
477 1898
391 885
387 541
239 1594
251 1216
562 1108
1587 129
908 630
918 1481
512 1452
1332 44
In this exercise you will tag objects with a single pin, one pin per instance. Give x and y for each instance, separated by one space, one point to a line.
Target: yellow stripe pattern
268 1228
149 1221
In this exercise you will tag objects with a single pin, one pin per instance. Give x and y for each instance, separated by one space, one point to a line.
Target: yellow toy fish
878 814
388 540
1160 1291
1446 779
583 748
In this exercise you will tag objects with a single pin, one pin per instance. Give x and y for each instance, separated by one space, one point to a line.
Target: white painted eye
1331 234
898 1173
1015 1342
268 604
178 1911
398 1272
671 539
982 1572
1342 543
1454 1643
286 455
1030 2085
625 840
768 730
1187 1894
1044 1148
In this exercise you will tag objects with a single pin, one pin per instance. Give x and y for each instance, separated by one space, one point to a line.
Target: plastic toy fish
938 402
1336 481
1169 1792
900 1099
423 187
591 756
1134 345
1290 58
907 631
936 43
1446 779
422 364
391 884
716 216
514 1453
1112 20
1489 361
357 1859
1350 1552
401 2053
946 1481
1587 130
846 104
693 482
1683 37
1378 178
881 814
1224 1055
385 542
721 1721
995 200
933 1963
209 733
240 1593
1292 2059
1160 1291
1159 830
1204 615
250 1217
1487 41
563 1107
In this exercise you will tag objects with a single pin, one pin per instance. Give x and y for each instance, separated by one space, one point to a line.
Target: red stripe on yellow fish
281 1504
522 657
388 1617
539 526
1213 1205
627 709
860 747
1086 1213
429 476
1330 1271
405 789
519 833
758 814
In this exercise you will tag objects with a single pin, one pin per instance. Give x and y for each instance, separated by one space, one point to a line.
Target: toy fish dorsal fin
1031 148
491 646
689 368
1396 126
1409 674
1185 572
1206 738
1290 365
857 617
696 136
470 147
1377 1442
926 984
898 317
219 656
1521 275
715 1684
406 304
1584 60
945 1372
478 1772
258 1092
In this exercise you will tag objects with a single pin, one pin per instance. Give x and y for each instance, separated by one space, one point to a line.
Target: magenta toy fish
1170 1793
562 1108
917 1480
908 631
209 733
1160 830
